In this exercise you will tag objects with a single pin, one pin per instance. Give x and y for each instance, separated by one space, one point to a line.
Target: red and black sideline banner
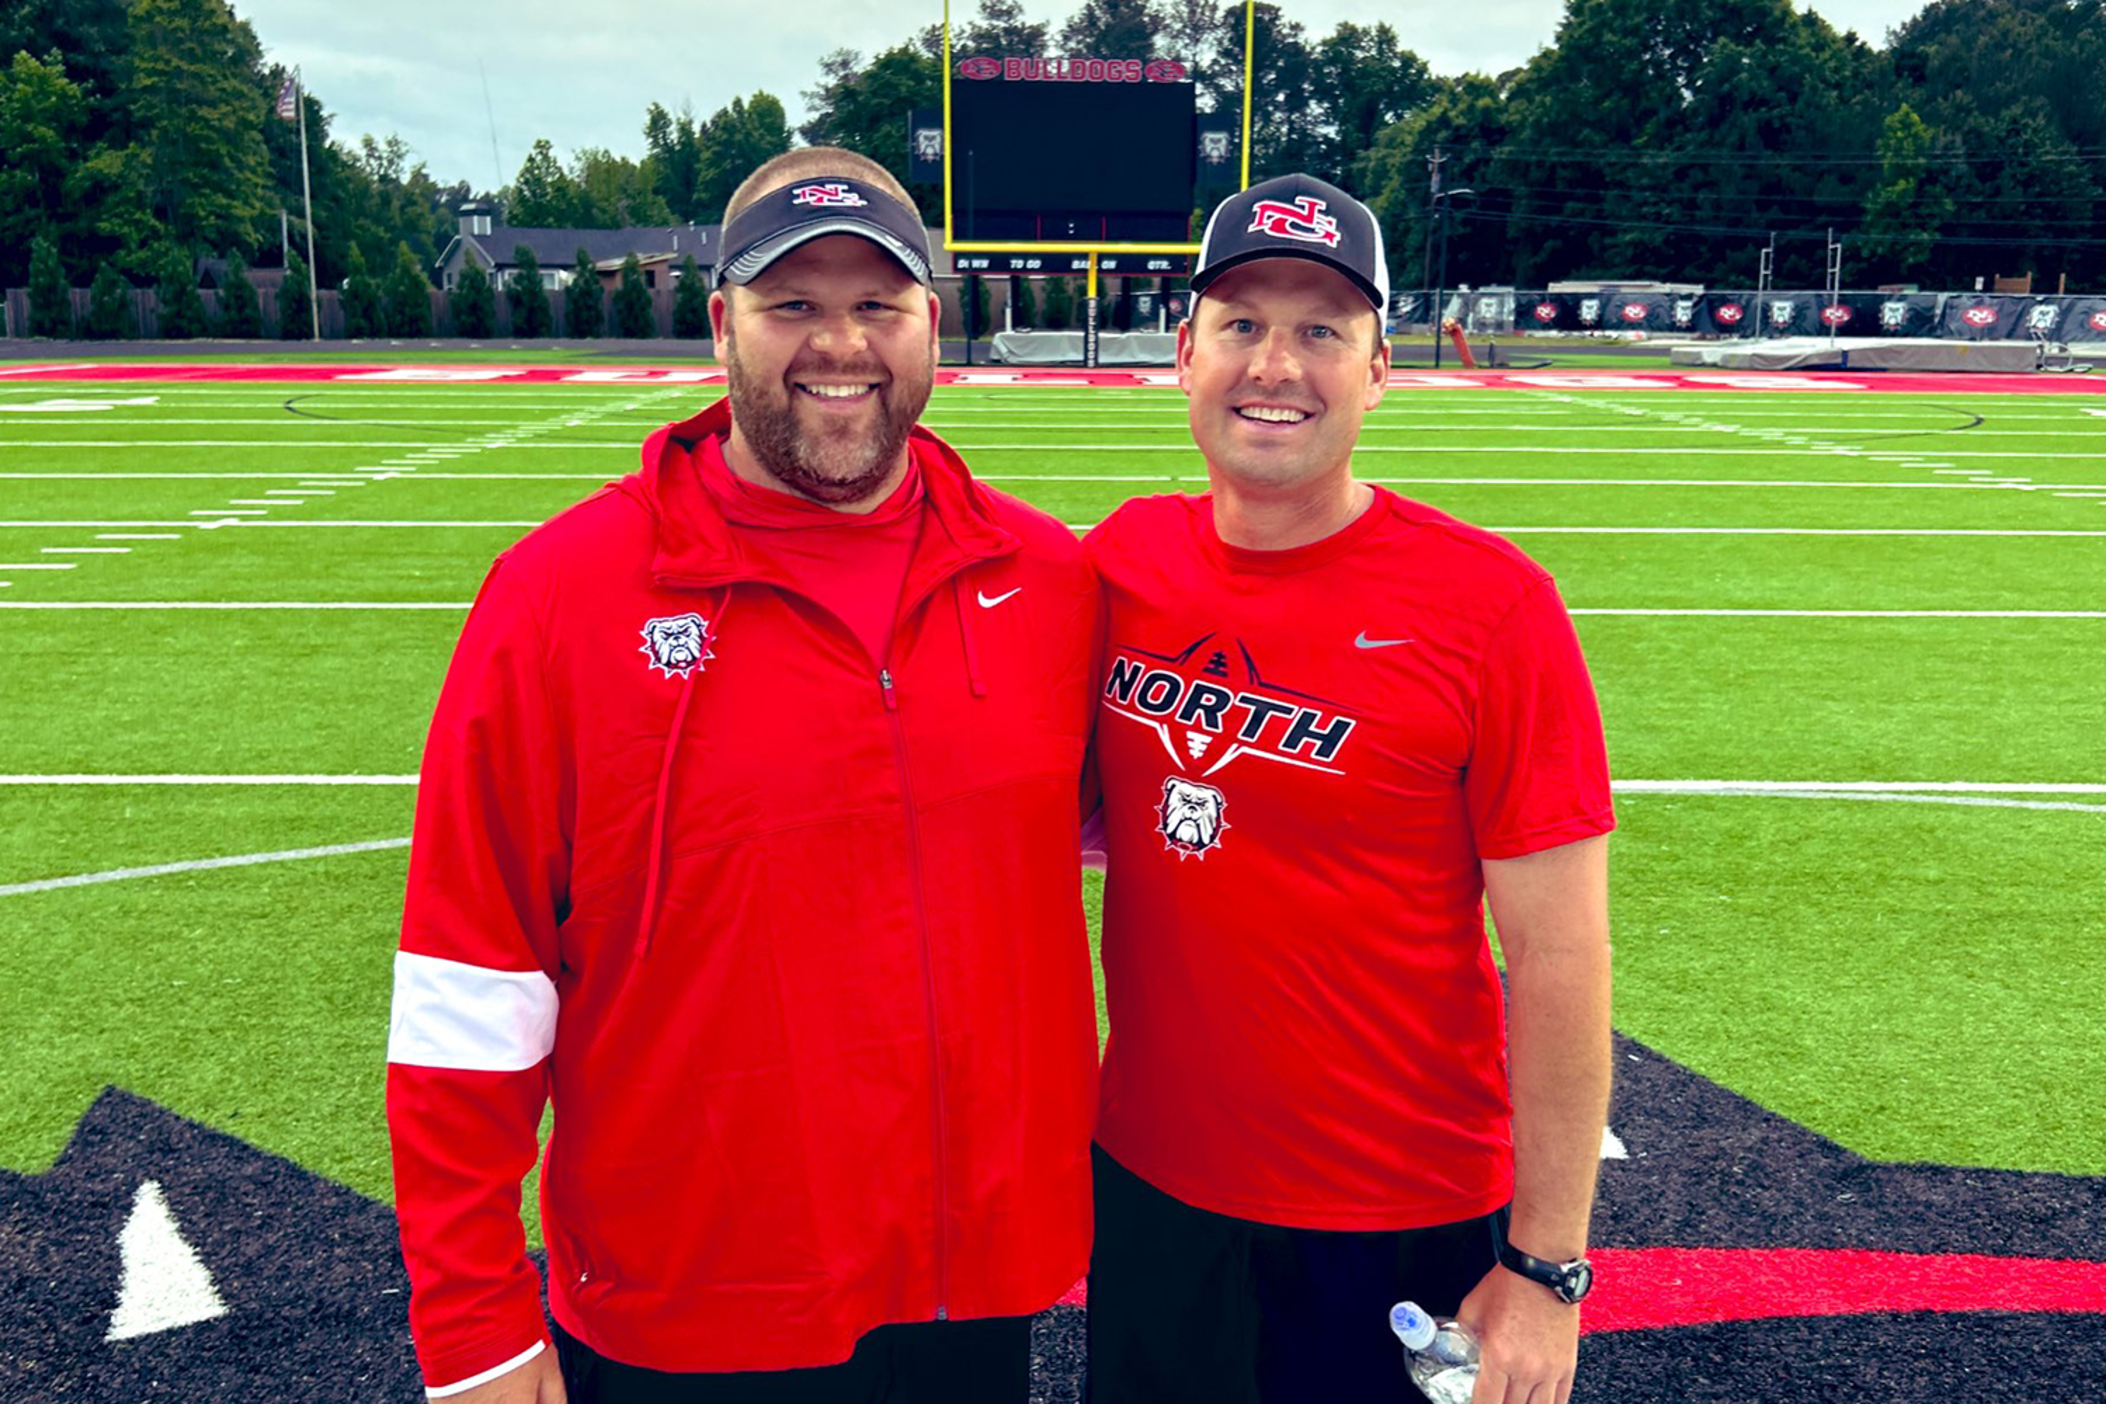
1950 316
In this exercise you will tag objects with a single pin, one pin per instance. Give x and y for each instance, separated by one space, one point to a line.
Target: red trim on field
1646 1288
1053 377
1643 1289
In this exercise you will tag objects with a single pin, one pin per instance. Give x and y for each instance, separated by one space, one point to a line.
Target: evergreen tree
50 300
239 315
1902 214
408 296
634 316
471 302
182 311
194 157
365 311
1113 29
543 194
865 107
1058 307
614 192
736 141
41 115
1023 305
295 303
584 304
675 161
530 315
973 307
691 303
109 306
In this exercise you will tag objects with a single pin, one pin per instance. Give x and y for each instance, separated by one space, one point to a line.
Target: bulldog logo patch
1191 817
677 645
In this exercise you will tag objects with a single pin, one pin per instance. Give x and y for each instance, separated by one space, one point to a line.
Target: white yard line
1965 801
68 781
138 536
151 605
1773 531
1974 787
85 550
1854 613
243 860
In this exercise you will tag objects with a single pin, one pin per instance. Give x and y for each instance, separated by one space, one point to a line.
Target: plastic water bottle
1441 1354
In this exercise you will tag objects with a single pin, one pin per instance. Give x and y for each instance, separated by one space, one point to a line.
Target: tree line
1670 139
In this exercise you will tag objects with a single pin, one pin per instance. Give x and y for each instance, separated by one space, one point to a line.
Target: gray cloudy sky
582 75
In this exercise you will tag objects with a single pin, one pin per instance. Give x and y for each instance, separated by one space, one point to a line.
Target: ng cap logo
832 193
677 645
1304 220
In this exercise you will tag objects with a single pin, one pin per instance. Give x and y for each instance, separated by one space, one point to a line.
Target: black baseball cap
1296 216
804 210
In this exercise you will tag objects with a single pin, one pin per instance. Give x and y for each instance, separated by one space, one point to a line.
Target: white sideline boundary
1983 794
242 860
462 606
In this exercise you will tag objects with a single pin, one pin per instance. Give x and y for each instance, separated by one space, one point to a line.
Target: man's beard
843 464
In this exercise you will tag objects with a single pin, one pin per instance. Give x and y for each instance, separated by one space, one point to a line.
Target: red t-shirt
852 564
1305 756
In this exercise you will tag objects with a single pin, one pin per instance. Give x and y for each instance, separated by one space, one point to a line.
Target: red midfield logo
832 193
1835 316
980 69
1729 313
1979 316
1303 220
1546 311
1634 311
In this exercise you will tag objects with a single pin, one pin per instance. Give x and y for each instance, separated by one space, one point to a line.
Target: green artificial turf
1912 979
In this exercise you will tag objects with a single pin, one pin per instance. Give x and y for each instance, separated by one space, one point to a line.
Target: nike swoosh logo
986 603
1363 641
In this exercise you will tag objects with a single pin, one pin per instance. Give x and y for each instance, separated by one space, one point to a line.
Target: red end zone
1035 378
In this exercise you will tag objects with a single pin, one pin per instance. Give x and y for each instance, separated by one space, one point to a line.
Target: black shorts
1191 1307
933 1362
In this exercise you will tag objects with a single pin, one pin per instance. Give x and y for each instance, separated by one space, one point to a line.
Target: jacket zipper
928 975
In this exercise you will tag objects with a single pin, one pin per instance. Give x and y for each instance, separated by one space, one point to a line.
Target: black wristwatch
1571 1281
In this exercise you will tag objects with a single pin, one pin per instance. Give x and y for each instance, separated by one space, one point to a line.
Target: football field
1850 649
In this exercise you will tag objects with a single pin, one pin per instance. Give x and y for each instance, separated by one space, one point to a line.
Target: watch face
1579 1279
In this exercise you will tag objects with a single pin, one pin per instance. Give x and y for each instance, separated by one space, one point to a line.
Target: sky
583 76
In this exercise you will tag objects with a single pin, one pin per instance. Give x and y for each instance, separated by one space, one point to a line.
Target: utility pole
1433 196
1433 213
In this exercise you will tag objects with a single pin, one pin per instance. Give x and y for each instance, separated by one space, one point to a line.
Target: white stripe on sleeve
467 1017
463 1386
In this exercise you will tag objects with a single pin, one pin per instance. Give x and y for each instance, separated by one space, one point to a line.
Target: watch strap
1570 1281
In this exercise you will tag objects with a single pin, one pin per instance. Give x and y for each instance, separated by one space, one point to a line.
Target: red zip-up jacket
792 937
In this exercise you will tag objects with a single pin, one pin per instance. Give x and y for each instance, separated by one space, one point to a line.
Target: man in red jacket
1333 724
746 840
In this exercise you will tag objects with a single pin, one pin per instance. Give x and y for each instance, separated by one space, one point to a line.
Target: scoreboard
1052 152
1054 264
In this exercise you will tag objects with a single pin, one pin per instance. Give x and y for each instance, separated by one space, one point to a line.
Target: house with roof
493 245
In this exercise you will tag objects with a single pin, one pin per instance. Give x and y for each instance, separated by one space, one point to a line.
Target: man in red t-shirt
1332 723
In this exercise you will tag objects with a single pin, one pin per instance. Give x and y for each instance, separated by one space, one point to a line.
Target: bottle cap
1412 1325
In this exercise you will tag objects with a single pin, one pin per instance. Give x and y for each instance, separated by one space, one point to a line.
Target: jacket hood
696 546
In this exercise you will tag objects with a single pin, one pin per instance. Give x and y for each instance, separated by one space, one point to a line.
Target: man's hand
539 1381
1530 1340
